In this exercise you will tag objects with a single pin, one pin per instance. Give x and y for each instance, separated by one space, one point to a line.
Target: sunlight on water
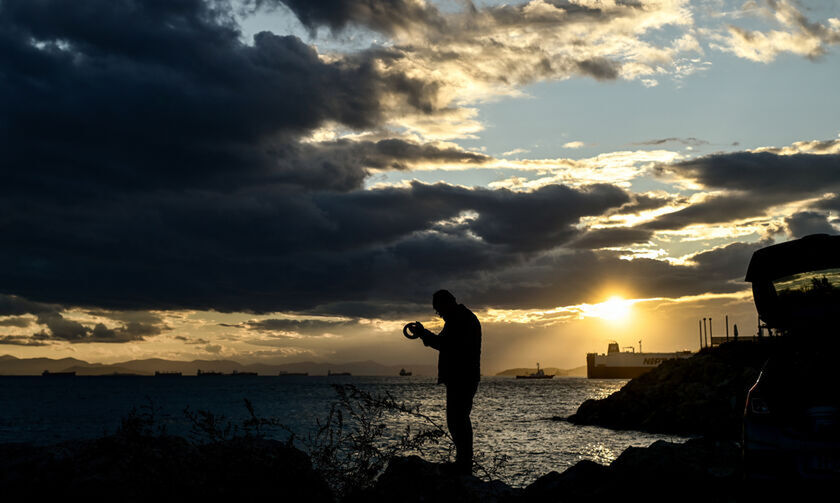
511 417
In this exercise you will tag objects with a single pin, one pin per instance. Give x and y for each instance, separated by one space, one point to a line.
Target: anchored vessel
617 364
539 374
403 372
47 373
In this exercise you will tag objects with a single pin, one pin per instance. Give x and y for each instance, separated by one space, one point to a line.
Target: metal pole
700 323
705 333
727 327
711 334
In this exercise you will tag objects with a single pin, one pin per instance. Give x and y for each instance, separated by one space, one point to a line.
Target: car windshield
824 283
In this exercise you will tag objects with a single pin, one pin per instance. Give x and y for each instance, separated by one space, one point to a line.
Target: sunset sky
291 180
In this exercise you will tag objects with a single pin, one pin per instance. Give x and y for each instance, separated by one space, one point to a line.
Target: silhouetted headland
701 395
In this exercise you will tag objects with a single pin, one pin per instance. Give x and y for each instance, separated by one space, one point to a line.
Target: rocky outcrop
414 480
701 395
160 468
697 470
700 469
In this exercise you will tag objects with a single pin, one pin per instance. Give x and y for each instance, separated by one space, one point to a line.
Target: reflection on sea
511 417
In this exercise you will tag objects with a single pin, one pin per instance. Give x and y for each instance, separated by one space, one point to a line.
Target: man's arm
431 339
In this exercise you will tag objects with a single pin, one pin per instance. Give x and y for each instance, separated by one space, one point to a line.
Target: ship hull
626 365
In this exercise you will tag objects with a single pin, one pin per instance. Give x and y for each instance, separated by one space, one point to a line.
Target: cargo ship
238 373
617 364
47 373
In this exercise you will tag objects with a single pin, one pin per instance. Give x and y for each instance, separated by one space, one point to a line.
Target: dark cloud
690 141
61 328
151 159
213 348
20 340
753 182
644 202
563 279
603 238
727 262
135 326
384 309
812 147
482 36
715 209
13 305
809 222
164 95
831 203
128 333
273 249
599 68
16 321
343 165
188 340
386 16
305 326
763 173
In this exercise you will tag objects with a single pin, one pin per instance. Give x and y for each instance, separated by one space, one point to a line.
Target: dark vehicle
792 414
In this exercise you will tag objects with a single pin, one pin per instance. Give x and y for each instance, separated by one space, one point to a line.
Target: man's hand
417 329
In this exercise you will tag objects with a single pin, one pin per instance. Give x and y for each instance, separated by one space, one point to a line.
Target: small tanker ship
617 364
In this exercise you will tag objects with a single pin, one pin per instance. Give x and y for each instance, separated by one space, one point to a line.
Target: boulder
414 480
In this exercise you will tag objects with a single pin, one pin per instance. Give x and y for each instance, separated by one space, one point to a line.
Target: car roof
810 253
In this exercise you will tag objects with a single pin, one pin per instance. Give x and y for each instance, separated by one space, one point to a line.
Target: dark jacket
459 344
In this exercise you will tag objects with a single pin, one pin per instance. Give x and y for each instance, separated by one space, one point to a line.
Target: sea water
510 417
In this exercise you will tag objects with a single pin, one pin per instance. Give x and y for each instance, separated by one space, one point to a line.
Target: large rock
414 480
701 395
698 470
160 468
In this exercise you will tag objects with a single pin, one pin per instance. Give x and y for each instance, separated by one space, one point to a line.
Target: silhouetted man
459 344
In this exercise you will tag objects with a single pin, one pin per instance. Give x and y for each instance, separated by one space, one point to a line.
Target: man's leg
459 398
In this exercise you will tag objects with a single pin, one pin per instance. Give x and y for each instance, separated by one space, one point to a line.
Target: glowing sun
613 309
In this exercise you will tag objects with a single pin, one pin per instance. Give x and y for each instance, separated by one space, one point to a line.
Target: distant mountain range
10 365
575 372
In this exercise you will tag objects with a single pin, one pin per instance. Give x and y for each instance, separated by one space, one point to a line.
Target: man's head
443 302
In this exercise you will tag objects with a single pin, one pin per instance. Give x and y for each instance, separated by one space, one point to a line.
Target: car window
813 283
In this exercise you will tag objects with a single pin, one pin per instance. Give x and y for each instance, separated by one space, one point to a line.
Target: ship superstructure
618 364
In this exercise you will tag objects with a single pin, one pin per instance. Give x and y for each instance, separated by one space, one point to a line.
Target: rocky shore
702 395
171 468
711 469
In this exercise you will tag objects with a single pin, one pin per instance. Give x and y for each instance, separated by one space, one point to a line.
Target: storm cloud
809 222
763 173
165 96
299 326
271 249
153 159
748 184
